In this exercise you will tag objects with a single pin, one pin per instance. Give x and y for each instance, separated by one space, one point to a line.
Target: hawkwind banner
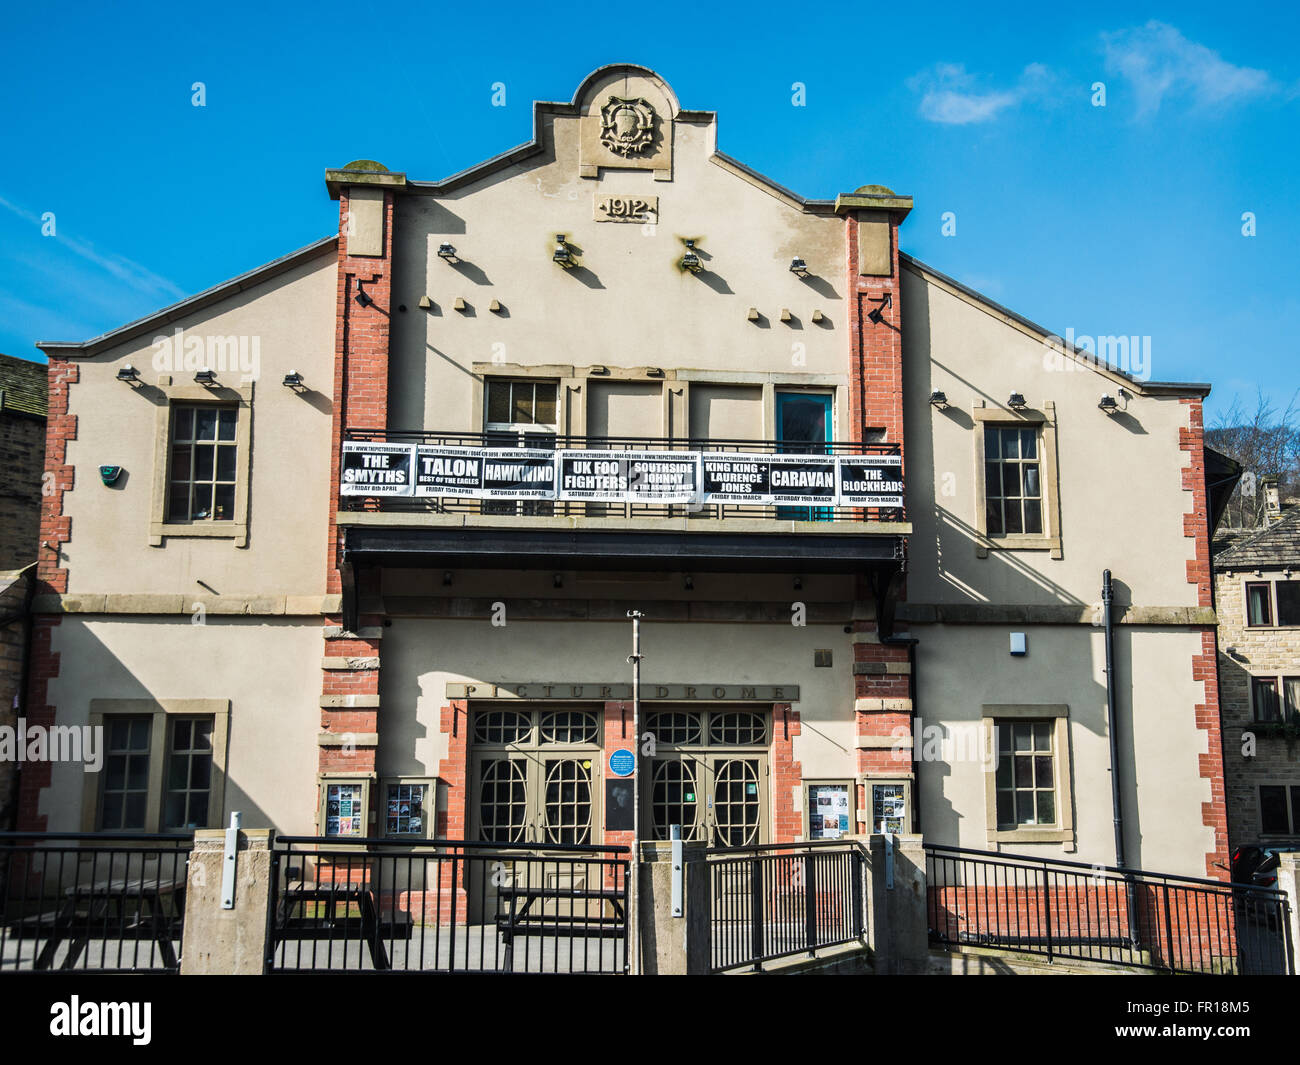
383 469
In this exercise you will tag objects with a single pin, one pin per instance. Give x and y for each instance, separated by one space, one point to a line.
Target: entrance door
803 427
533 780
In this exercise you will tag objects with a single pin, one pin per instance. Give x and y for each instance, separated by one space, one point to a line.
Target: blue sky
1124 219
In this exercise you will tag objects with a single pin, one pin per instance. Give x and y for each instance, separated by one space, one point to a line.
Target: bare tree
1267 444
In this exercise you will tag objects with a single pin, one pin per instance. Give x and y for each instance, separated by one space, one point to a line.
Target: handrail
529 848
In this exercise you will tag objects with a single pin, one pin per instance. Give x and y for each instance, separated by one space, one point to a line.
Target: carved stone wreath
627 125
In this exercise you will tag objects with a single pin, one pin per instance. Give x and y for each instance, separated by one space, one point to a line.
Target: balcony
510 501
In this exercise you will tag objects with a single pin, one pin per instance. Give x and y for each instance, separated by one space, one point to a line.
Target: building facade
1258 601
383 507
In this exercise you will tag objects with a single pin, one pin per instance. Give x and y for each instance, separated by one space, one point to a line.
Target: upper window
1279 809
1259 604
512 404
1264 698
203 465
1013 489
1026 773
1288 602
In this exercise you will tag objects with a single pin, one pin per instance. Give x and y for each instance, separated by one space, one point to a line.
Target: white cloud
1160 63
953 97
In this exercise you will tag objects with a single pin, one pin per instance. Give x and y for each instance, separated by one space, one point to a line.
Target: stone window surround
1063 831
241 397
572 382
159 737
430 805
1050 538
1271 579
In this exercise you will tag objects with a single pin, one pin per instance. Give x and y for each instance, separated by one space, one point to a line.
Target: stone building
383 505
22 462
1257 586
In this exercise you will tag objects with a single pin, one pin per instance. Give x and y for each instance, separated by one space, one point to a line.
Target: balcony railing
646 479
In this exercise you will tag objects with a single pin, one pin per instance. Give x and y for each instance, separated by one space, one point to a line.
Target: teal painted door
803 427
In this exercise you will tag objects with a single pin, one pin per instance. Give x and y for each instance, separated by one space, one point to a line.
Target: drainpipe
634 886
1108 608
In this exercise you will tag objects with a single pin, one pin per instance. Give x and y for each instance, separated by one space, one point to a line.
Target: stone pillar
1288 880
675 946
227 941
897 921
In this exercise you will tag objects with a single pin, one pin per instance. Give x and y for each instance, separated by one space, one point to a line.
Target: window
124 798
1013 490
203 464
1258 604
512 403
1288 602
1279 809
164 765
1264 699
407 808
189 774
1026 783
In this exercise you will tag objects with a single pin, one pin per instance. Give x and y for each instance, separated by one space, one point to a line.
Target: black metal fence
630 444
1096 913
107 903
380 905
779 900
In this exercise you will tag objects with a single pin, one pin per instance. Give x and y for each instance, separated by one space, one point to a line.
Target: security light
562 254
362 296
688 582
207 378
690 260
293 379
876 314
1108 403
446 251
938 400
798 267
1016 401
129 374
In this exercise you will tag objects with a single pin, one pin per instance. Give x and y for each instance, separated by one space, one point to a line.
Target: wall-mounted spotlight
877 314
690 259
938 400
446 251
446 579
688 582
563 256
207 378
654 371
1108 403
1016 401
293 379
557 580
798 584
798 267
129 374
362 296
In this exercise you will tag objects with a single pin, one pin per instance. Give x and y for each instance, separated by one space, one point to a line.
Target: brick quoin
1196 527
361 347
787 775
52 578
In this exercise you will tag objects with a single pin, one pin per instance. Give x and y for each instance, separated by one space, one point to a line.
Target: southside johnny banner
622 476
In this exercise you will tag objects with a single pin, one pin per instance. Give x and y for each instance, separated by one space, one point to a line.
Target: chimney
1272 500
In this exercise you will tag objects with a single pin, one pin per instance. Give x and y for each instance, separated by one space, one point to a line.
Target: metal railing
382 905
779 900
1095 913
112 902
561 508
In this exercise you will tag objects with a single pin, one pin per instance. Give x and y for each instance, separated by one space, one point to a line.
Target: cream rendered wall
268 669
1122 502
962 668
293 315
629 304
421 657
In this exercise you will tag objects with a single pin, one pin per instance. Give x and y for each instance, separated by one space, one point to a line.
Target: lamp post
635 868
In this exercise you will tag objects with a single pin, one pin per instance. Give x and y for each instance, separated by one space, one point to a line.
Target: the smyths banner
377 469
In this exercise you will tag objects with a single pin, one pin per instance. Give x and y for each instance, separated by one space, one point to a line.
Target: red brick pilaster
1196 527
33 777
60 427
618 733
875 348
787 775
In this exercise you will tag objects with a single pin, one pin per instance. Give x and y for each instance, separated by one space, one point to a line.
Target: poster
737 478
829 811
519 473
805 479
594 476
344 815
870 480
888 808
664 477
376 469
448 471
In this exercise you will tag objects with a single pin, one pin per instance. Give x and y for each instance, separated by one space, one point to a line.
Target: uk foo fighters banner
622 476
